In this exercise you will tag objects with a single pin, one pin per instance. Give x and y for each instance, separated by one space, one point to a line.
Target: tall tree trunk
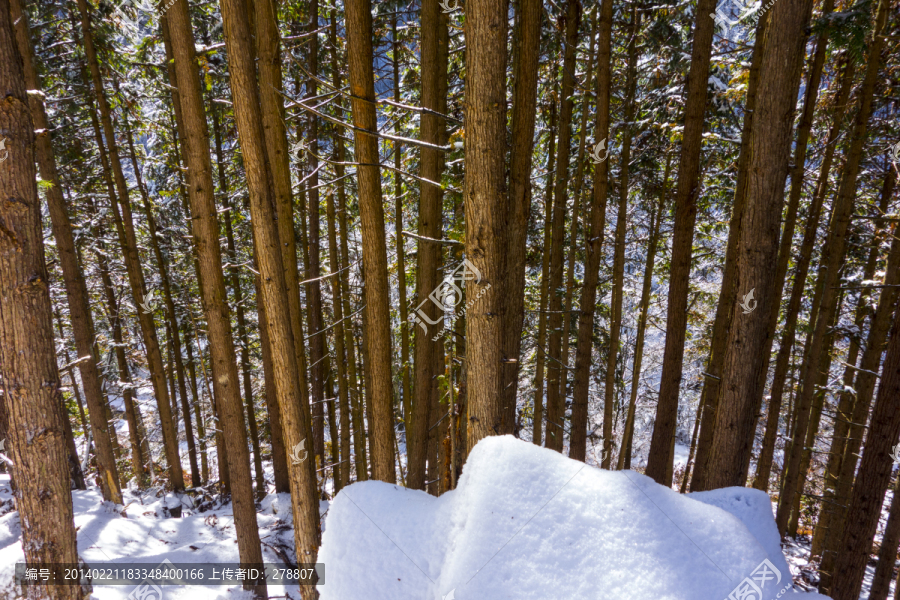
279 455
378 338
205 229
73 277
279 460
268 51
428 315
790 219
687 190
127 239
171 316
294 410
359 442
556 409
317 346
722 321
75 471
815 418
875 465
593 242
887 554
848 396
624 461
830 530
802 261
485 195
580 201
540 352
140 445
618 286
405 384
526 54
770 141
834 251
198 412
30 381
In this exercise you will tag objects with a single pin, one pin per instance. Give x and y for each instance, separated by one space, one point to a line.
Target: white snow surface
527 523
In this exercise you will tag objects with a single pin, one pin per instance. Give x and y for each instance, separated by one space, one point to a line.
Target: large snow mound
528 523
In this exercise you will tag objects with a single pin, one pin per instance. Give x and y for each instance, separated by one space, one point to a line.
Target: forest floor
547 528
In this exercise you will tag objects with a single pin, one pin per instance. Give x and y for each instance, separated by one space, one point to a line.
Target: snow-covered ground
528 523
525 523
143 533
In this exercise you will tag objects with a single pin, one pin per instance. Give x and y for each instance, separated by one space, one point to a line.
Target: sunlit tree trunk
434 43
294 413
687 191
76 289
485 195
593 242
28 372
121 206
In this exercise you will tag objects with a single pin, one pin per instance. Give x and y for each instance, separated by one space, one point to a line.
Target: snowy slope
527 523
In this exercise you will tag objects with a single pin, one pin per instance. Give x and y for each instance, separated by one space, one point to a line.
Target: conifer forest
342 282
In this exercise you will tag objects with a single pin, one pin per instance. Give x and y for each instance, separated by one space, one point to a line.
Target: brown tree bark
593 243
848 396
172 327
294 413
30 381
485 195
722 322
526 54
359 443
127 239
876 462
317 346
205 229
790 219
378 338
802 261
556 410
618 284
75 472
540 349
140 446
887 554
434 44
830 529
580 201
268 53
624 461
76 289
834 251
770 141
405 367
279 460
687 190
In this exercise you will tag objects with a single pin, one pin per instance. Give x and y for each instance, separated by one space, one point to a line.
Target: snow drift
528 523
